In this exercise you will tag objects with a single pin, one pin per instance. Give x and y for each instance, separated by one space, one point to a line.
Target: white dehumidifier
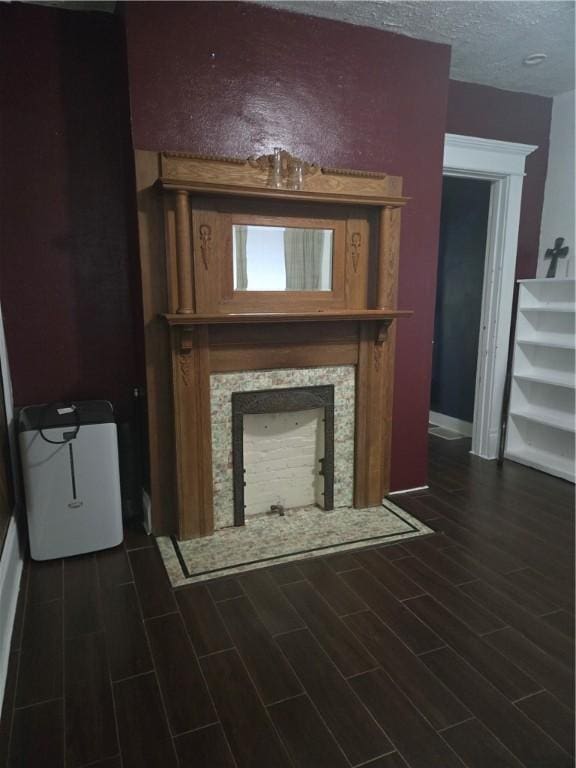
71 478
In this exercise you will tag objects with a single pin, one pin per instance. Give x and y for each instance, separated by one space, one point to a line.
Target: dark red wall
238 79
226 78
489 113
69 290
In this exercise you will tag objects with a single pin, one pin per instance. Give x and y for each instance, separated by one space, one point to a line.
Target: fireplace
236 396
207 319
276 401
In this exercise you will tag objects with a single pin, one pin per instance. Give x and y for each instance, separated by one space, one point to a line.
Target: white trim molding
449 422
503 164
10 573
11 554
408 490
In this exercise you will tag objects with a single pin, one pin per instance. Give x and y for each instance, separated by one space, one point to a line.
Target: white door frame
502 163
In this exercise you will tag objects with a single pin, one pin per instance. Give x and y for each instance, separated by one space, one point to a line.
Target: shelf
546 281
547 417
543 460
548 377
254 318
547 344
564 307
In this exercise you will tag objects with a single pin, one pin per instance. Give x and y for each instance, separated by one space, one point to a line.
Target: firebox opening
283 459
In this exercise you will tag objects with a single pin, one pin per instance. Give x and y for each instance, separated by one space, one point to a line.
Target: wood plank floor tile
111 762
502 548
135 537
340 644
7 707
308 741
540 633
285 573
385 572
41 655
478 747
412 735
552 717
499 559
45 581
341 561
330 586
186 697
530 601
356 732
269 670
562 621
82 608
113 567
425 691
499 669
440 563
90 721
536 583
154 590
388 761
128 651
21 603
479 619
204 748
270 603
393 551
224 589
38 736
417 635
532 747
248 728
202 620
548 672
145 740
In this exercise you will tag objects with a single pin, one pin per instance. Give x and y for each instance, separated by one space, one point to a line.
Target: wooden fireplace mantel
197 324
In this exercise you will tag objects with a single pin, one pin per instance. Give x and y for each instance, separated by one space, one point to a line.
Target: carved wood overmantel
197 323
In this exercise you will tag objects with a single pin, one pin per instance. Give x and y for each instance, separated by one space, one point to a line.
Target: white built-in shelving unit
541 418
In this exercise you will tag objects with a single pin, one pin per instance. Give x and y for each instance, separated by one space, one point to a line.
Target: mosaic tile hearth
270 539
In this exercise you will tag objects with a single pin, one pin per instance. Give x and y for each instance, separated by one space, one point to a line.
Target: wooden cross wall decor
554 254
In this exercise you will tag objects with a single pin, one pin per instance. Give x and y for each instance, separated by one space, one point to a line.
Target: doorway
501 163
461 264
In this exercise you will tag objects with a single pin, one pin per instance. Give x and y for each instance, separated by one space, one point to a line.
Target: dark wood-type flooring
446 651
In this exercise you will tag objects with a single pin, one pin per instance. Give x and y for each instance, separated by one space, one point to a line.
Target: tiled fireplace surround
223 385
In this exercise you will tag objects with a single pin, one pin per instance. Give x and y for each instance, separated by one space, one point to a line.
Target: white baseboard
409 490
449 422
10 574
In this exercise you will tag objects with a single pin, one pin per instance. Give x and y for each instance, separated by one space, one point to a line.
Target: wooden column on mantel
196 323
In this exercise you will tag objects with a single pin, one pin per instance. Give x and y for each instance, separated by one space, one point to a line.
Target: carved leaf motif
205 244
184 365
287 161
355 244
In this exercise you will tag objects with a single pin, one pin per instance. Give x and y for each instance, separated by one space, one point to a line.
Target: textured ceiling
489 38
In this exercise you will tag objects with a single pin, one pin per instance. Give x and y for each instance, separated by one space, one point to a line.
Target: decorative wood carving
184 359
252 177
355 243
205 243
282 168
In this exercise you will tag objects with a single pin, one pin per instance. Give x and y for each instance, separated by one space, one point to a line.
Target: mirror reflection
282 258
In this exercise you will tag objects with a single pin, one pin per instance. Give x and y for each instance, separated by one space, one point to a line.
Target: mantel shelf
251 318
231 190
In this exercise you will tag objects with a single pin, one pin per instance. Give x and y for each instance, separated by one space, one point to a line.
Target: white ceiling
489 38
